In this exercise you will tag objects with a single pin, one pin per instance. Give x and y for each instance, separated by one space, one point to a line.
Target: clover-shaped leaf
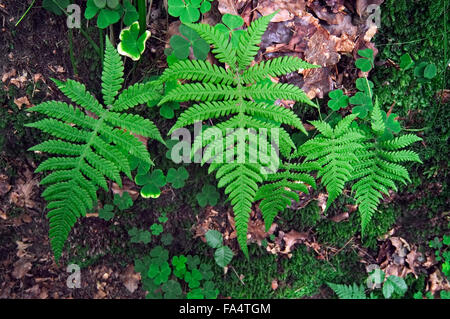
195 294
141 265
187 10
55 6
132 44
130 13
365 63
193 261
159 272
206 6
140 235
151 182
446 240
181 44
163 218
156 229
365 86
167 110
107 212
141 166
363 103
159 254
206 271
391 126
209 195
214 238
166 239
177 177
179 262
193 278
123 202
230 23
337 100
209 290
172 290
223 256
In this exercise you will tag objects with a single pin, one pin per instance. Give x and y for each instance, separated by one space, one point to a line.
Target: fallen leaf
130 279
22 101
21 268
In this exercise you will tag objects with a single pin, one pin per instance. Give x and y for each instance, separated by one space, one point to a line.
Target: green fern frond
275 67
348 292
94 149
282 188
222 47
248 42
231 97
198 70
334 151
139 93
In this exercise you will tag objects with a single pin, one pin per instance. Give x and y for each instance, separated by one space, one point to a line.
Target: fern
378 170
91 149
348 292
234 93
334 151
282 188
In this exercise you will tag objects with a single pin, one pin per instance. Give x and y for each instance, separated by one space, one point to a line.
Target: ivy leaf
130 13
177 177
187 10
223 256
151 183
214 238
107 212
406 62
363 104
131 44
106 17
365 63
156 229
123 202
394 284
172 290
337 100
209 195
56 6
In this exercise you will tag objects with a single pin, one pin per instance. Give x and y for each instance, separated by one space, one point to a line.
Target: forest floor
322 247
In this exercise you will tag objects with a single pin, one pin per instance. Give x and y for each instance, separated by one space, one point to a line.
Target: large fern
92 148
236 94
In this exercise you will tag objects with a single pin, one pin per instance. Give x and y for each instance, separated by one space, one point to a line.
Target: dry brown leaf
21 268
130 279
8 75
21 101
292 238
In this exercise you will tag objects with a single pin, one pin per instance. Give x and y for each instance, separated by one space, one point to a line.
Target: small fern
348 292
236 93
334 151
92 149
282 187
378 168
